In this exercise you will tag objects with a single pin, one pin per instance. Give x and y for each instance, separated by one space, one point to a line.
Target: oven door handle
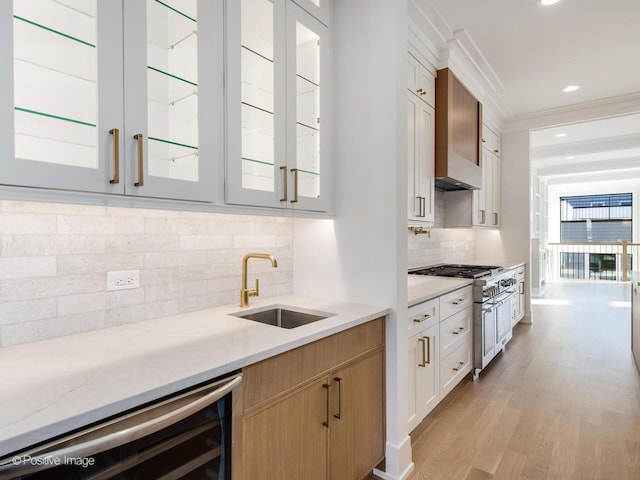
120 431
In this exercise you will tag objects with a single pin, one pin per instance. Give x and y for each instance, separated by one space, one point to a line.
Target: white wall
512 242
362 255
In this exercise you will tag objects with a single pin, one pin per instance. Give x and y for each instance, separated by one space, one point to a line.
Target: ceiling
534 52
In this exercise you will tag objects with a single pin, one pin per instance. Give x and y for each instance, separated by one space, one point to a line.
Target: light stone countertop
423 287
57 385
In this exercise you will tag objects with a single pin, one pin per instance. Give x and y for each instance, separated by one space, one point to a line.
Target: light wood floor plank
563 401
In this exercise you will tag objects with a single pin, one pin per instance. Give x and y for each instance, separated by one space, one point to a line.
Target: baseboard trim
398 463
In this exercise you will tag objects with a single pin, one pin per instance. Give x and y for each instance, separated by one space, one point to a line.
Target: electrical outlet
123 280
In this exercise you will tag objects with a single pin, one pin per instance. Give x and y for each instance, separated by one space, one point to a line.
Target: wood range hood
458 135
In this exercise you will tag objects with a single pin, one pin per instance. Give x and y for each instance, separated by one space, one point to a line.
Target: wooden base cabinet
315 412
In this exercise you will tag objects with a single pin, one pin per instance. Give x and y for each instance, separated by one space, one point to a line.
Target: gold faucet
245 293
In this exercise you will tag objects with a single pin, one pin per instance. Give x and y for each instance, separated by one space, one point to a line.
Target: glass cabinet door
256 160
58 129
173 66
307 145
274 104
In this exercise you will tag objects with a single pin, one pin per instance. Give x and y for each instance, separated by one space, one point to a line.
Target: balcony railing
593 261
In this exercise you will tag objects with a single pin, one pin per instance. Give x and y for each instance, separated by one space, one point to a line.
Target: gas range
457 270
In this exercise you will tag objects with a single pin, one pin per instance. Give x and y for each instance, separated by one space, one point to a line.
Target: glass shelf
55 81
172 89
172 159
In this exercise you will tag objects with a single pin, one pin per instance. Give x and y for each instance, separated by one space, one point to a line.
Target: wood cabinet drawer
264 380
424 315
454 331
456 301
454 367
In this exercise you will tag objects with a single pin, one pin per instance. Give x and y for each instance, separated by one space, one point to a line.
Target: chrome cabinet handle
139 137
338 415
128 428
116 156
327 387
285 186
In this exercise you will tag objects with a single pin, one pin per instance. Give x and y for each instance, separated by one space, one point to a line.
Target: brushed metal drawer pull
326 386
458 301
460 365
426 316
457 332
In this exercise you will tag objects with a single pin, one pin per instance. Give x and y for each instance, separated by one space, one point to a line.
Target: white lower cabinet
424 374
439 350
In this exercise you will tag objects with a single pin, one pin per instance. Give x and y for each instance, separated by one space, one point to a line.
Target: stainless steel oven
492 317
186 436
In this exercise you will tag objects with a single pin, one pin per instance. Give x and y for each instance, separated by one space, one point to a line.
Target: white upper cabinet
278 89
420 148
421 142
320 9
82 115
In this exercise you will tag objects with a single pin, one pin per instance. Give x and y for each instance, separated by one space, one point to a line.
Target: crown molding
581 112
597 145
457 50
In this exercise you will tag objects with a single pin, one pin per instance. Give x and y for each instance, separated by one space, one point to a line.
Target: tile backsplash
54 261
445 245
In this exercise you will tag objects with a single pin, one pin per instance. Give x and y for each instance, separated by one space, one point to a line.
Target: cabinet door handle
460 365
116 156
424 360
295 185
338 415
285 186
496 150
482 216
326 386
420 91
140 138
495 218
423 206
521 288
428 359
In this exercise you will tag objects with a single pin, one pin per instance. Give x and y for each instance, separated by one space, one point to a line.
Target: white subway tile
81 303
205 242
34 331
37 245
27 267
26 311
141 243
27 223
99 225
70 264
27 288
123 298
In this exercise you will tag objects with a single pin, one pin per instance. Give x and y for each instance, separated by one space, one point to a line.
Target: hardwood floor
563 401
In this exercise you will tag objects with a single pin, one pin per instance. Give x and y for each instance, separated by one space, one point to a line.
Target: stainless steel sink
283 317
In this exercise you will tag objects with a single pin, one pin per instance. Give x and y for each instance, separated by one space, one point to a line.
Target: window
596 218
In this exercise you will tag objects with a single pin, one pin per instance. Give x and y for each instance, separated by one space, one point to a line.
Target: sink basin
283 317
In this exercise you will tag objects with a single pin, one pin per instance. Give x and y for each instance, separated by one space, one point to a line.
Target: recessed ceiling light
560 135
571 88
546 3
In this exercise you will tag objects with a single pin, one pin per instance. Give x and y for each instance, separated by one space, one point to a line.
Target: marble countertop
57 385
422 287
